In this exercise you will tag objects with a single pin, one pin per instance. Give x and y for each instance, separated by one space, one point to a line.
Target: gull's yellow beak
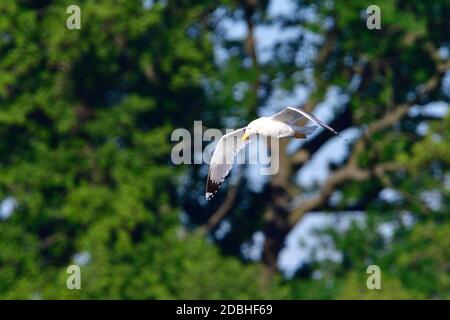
245 136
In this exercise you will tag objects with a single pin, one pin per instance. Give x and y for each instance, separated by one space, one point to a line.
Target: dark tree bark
276 216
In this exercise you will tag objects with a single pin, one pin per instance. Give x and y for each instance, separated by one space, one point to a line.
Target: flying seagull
280 125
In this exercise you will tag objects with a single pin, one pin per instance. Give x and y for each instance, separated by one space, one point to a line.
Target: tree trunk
276 217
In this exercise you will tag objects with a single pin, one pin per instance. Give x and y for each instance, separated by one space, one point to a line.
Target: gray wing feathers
291 115
287 115
223 159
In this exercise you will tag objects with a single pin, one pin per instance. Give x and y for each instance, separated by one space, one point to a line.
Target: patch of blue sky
316 170
252 249
438 109
390 195
7 207
81 258
303 242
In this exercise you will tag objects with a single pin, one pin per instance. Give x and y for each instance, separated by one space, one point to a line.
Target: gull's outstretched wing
291 115
222 160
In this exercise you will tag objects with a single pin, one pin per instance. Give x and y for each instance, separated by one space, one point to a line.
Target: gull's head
246 135
250 130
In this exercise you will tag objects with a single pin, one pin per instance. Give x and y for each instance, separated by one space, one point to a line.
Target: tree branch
222 211
351 172
250 46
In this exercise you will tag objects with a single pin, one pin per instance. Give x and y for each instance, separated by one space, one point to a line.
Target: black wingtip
211 189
